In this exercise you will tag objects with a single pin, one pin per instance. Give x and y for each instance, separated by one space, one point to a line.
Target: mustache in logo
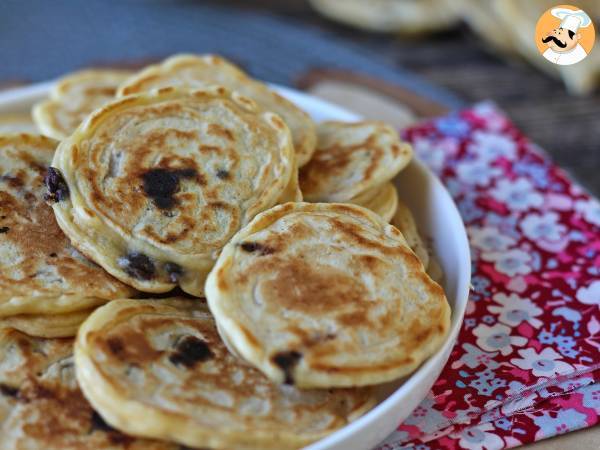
555 40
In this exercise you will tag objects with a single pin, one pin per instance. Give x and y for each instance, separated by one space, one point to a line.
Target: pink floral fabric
526 365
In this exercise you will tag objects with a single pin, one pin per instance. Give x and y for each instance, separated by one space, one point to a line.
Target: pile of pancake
188 261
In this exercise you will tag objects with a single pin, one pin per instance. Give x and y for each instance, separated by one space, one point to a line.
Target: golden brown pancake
326 295
159 182
405 222
40 272
158 368
41 406
47 325
199 71
398 16
352 158
74 97
382 200
17 123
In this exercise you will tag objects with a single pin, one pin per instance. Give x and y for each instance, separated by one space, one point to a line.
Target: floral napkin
526 365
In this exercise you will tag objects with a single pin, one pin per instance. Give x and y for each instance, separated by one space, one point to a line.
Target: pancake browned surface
159 182
17 123
405 222
199 71
40 273
326 294
352 158
158 368
74 97
41 406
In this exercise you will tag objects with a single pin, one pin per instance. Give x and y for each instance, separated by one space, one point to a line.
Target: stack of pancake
165 286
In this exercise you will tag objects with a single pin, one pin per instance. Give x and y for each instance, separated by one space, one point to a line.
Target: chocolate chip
189 351
251 247
137 265
58 190
222 174
53 255
98 423
174 271
115 345
161 184
286 361
8 391
4 229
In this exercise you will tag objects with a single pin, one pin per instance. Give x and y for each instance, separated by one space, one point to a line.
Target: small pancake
352 158
382 200
40 273
326 295
158 368
199 71
159 182
405 222
401 16
17 123
74 97
41 406
47 325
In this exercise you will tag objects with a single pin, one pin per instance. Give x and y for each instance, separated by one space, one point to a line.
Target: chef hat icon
572 20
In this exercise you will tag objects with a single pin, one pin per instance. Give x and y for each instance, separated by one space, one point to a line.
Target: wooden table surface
566 126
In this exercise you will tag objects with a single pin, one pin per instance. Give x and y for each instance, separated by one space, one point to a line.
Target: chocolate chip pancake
382 200
352 158
152 186
74 97
40 272
199 71
158 368
41 406
326 295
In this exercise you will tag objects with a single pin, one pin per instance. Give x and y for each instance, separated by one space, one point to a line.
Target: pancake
352 158
74 97
401 16
405 222
158 368
17 123
382 200
40 272
326 295
199 71
158 183
41 406
47 325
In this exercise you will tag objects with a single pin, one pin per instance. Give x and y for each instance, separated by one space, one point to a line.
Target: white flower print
545 364
543 226
489 239
589 295
518 194
477 172
513 310
478 438
511 262
490 146
497 338
590 209
433 153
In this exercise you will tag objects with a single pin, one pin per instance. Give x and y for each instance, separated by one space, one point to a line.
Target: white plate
436 216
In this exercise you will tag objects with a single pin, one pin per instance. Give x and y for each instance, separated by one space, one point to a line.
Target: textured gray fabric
42 39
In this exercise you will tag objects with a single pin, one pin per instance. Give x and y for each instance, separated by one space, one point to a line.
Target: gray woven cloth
42 39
